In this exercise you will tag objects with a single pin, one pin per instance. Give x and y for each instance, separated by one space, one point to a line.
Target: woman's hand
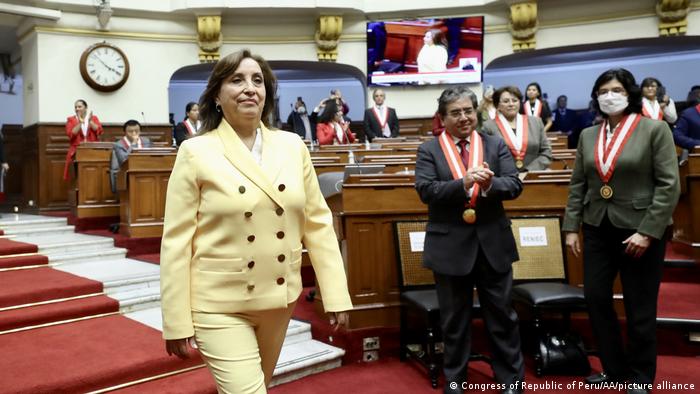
178 347
338 319
573 243
637 244
5 167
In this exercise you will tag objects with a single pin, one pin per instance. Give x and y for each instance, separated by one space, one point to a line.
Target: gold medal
519 164
469 216
606 192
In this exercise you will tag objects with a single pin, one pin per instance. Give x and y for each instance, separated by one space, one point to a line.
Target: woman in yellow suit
241 201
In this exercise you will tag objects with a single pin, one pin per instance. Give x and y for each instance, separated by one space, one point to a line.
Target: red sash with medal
189 128
606 157
537 111
652 110
126 144
516 141
454 161
382 117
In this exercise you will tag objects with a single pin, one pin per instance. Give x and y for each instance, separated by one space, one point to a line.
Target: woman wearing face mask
433 56
623 191
523 134
331 128
241 200
82 126
300 122
655 102
190 126
535 106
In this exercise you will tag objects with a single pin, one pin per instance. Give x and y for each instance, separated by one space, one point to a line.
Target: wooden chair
540 275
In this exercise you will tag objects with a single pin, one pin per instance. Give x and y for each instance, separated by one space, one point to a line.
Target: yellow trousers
241 349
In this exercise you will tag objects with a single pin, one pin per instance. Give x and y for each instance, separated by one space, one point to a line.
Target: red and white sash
190 129
127 144
606 157
652 109
344 139
85 124
516 141
454 160
382 116
537 110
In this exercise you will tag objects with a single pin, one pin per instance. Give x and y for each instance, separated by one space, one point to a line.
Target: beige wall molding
523 25
673 17
209 37
328 32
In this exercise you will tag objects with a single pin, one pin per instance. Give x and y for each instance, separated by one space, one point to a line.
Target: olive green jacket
645 183
538 154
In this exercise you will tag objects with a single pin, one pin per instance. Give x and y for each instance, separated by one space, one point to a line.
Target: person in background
82 126
487 111
464 177
437 126
534 105
241 200
121 149
524 134
564 119
433 55
337 95
300 122
331 129
190 126
686 132
656 104
380 120
585 119
4 167
624 201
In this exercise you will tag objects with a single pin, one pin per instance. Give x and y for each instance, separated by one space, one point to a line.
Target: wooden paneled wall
39 152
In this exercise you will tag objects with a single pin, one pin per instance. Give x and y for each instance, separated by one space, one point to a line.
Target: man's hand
483 176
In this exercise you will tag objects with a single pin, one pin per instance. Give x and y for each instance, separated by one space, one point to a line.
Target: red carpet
84 356
42 284
22 261
60 311
198 381
679 300
8 247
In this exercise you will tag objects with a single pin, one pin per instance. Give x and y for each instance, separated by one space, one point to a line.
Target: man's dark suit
463 255
374 129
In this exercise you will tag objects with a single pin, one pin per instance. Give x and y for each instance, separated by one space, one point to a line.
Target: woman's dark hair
650 80
188 108
81 101
513 90
634 93
537 86
224 68
438 37
329 111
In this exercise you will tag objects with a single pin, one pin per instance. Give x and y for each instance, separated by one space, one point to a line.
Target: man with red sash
380 120
464 176
120 151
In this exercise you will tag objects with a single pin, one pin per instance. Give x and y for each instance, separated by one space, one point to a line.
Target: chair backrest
409 249
331 183
539 242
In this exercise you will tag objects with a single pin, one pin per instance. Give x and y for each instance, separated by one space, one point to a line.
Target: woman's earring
218 107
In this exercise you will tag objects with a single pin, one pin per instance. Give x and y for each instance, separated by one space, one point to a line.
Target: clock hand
105 64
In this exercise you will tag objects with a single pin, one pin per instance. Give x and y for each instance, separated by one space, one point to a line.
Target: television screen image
425 51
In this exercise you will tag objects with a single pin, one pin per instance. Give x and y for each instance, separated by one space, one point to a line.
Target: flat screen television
425 51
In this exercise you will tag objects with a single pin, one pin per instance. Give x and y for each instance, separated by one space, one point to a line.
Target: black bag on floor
563 355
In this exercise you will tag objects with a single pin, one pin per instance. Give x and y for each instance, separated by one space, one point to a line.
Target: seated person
380 119
331 128
686 133
190 126
122 148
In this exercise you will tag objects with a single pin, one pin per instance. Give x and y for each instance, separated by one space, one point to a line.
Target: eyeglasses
603 92
457 113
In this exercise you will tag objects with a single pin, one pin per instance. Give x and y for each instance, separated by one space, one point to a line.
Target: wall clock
104 67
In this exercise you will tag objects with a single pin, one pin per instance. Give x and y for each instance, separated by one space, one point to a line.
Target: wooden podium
93 195
142 183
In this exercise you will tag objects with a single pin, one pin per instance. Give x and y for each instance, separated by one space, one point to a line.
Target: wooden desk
390 167
93 194
142 183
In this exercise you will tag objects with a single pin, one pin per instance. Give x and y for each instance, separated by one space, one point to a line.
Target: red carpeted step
198 381
8 247
84 356
22 261
59 311
42 284
679 300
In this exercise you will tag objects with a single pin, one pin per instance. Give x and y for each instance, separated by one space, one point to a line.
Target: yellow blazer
234 229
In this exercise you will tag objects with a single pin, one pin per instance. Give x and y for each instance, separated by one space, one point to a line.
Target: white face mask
612 103
301 110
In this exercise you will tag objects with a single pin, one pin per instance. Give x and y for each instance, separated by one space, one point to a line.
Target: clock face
104 67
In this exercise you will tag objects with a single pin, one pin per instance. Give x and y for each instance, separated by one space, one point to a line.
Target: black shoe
598 378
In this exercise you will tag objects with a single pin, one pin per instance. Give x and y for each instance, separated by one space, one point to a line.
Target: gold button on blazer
222 251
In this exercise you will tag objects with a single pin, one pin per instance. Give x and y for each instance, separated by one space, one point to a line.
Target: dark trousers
604 256
455 297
